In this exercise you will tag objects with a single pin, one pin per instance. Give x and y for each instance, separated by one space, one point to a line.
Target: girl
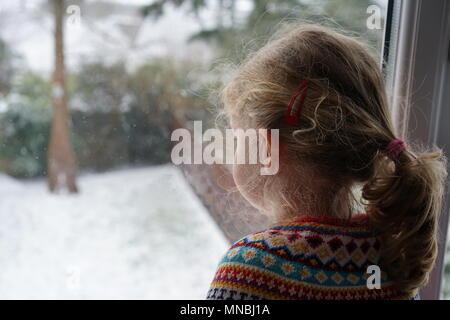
326 95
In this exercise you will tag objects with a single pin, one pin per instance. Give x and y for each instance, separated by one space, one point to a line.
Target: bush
25 127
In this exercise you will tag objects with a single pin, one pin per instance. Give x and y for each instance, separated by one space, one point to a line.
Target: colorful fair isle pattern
310 258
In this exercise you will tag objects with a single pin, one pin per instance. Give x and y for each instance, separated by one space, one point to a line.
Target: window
418 70
139 227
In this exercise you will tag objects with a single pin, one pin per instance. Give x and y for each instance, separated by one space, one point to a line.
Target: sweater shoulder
308 240
301 259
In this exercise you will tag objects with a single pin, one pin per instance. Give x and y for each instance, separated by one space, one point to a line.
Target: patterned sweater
309 258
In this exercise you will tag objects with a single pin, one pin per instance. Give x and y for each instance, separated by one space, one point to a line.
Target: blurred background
90 92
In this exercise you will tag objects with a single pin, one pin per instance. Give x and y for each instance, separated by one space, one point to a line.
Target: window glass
446 279
91 205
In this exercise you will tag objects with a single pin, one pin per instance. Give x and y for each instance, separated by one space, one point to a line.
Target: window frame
416 54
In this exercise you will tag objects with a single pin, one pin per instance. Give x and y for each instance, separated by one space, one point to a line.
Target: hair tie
394 148
294 111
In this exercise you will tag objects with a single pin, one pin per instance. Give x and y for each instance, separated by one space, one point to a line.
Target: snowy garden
129 234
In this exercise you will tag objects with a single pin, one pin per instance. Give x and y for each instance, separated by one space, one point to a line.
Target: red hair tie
394 148
293 114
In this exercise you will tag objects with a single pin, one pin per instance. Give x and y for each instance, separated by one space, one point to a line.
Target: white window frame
417 76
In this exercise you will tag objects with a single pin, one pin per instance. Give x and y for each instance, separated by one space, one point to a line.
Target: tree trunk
61 160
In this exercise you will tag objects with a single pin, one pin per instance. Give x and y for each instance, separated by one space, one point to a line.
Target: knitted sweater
309 258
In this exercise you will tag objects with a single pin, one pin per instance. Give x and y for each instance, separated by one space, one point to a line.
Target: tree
229 33
60 159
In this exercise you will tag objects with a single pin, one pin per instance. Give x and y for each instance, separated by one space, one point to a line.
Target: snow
130 234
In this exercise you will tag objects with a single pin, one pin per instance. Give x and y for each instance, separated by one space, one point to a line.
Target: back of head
344 127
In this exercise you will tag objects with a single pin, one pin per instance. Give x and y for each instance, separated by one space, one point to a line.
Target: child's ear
264 147
269 153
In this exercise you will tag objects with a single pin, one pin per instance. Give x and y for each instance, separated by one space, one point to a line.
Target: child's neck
339 211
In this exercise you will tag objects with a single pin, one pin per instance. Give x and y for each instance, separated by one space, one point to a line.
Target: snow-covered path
129 234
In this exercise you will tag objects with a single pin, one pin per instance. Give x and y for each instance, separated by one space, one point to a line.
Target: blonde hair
344 127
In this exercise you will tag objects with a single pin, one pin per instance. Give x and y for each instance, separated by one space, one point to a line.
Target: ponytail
404 200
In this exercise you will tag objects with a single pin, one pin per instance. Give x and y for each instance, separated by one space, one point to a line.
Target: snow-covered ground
129 234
